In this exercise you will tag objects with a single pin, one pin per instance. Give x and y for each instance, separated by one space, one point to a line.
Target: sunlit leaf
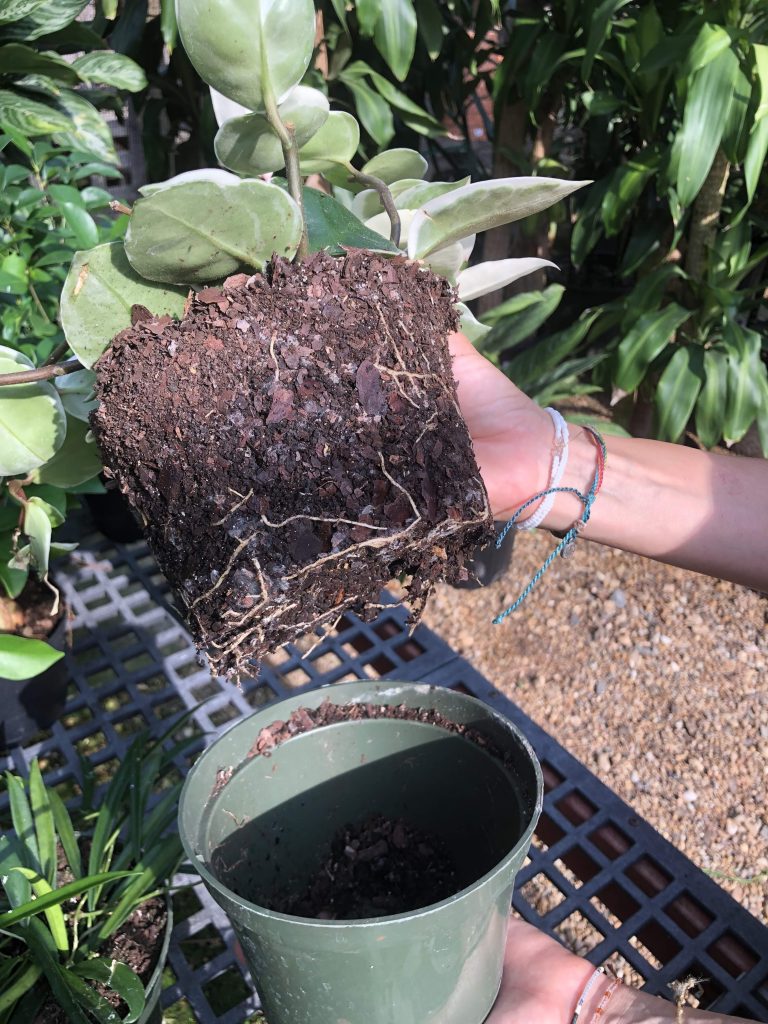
395 35
335 143
22 658
644 341
213 174
76 461
97 296
480 206
111 69
470 325
332 227
32 419
395 164
225 109
484 278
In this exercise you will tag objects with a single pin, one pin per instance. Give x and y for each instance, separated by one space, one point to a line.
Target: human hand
511 434
542 981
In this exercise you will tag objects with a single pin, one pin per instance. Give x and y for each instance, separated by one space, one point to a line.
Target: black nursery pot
489 563
31 705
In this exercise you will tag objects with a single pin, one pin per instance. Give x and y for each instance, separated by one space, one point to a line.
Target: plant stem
705 216
287 137
387 200
41 373
57 353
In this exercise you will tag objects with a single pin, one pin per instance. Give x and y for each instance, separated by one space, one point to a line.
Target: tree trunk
705 216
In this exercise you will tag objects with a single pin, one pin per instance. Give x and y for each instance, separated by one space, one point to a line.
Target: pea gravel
654 677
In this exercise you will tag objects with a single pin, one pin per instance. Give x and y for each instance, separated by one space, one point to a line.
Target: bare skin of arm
689 508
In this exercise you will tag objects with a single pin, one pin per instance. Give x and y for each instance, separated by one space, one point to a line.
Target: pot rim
386 688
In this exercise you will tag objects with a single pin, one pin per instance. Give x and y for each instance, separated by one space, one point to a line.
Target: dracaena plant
72 878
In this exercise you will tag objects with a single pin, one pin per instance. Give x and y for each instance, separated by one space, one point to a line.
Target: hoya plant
76 881
275 391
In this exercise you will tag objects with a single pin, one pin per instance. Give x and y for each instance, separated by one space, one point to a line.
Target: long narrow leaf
599 25
90 1000
59 896
17 888
151 872
38 938
512 330
162 815
710 407
744 368
66 833
546 353
44 830
53 912
678 390
23 822
13 989
641 345
120 978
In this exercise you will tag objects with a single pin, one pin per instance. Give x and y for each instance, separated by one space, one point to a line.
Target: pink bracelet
598 1014
595 976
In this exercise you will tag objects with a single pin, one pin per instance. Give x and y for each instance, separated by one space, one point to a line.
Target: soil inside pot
292 445
376 867
31 613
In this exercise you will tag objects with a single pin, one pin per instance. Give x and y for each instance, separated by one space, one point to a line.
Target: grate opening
226 991
224 714
185 904
577 866
709 989
624 970
409 650
115 701
579 934
202 946
730 952
259 695
648 876
91 744
132 724
688 914
386 629
296 677
610 841
617 901
548 831
552 777
325 661
658 941
381 664
75 718
541 893
209 689
576 807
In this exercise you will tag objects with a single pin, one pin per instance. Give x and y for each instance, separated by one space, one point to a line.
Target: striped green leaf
710 406
643 343
744 369
677 391
395 35
44 826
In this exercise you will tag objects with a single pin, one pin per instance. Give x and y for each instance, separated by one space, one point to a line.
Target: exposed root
234 508
225 574
321 519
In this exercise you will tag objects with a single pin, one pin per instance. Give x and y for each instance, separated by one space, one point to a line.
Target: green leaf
113 69
32 420
546 354
430 21
28 116
373 110
76 393
480 206
17 59
412 115
420 193
152 871
66 833
97 296
470 325
168 25
57 897
212 174
199 233
599 26
37 527
96 1006
710 95
677 391
43 817
247 144
86 128
21 815
395 164
754 161
54 915
745 367
760 53
81 224
484 278
332 227
709 43
14 10
13 854
23 658
643 343
44 19
710 406
242 48
627 184
120 978
13 580
39 940
395 35
335 143
75 462
367 15
522 317
735 138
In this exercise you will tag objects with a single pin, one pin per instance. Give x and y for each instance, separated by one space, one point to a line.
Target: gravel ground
666 668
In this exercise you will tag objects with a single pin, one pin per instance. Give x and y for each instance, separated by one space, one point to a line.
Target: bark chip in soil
292 445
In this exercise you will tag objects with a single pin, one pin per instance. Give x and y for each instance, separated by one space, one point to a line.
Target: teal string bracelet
568 542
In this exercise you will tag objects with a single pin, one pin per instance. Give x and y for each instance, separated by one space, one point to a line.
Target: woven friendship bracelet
567 543
559 462
594 978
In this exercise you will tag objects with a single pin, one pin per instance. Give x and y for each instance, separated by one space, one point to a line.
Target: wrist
579 474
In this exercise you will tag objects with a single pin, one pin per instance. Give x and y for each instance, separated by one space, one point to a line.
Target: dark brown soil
137 945
375 868
31 614
294 444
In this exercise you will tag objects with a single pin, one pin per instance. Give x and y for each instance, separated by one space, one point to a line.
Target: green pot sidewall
438 965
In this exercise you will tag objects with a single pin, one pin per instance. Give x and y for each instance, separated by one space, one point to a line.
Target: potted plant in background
87 918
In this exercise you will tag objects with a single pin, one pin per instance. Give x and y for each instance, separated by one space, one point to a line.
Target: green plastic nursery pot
256 824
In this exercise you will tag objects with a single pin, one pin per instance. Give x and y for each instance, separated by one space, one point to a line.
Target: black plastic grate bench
598 877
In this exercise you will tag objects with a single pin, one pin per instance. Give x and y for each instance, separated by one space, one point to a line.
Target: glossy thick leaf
419 194
643 342
22 658
395 164
707 107
677 391
382 224
75 462
212 174
97 296
120 979
447 261
14 10
470 325
45 18
744 369
525 315
32 420
237 47
395 35
372 109
76 393
484 278
335 143
81 224
37 527
332 227
225 109
198 233
111 69
248 144
30 117
480 206
710 406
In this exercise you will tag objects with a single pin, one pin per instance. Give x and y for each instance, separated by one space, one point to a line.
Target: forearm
614 1003
689 508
